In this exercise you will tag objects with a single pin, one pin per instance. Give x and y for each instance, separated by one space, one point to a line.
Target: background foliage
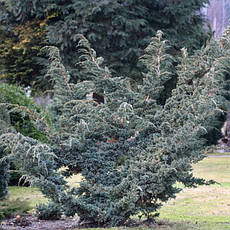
20 43
118 30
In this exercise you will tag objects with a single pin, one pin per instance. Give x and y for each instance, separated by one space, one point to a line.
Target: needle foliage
130 145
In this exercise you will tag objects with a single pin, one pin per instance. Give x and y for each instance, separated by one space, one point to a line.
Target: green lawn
33 195
207 205
203 208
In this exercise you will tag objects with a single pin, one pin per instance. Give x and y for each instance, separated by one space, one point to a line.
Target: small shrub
21 122
4 176
50 211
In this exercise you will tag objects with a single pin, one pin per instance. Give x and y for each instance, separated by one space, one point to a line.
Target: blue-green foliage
50 211
130 146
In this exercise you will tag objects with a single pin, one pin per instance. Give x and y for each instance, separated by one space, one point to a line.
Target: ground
29 222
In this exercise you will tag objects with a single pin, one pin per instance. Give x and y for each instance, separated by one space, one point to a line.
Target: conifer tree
118 30
131 147
20 42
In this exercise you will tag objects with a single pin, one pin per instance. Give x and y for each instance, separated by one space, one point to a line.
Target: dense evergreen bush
50 211
130 146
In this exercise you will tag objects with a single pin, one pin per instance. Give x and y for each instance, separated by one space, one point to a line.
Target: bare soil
30 222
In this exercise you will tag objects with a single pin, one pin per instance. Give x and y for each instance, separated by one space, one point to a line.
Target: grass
203 208
214 168
207 205
32 195
10 208
218 153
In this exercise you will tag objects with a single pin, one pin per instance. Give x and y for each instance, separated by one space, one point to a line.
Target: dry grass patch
74 180
214 168
205 204
32 195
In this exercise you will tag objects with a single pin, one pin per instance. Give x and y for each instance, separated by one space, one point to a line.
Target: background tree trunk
218 15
